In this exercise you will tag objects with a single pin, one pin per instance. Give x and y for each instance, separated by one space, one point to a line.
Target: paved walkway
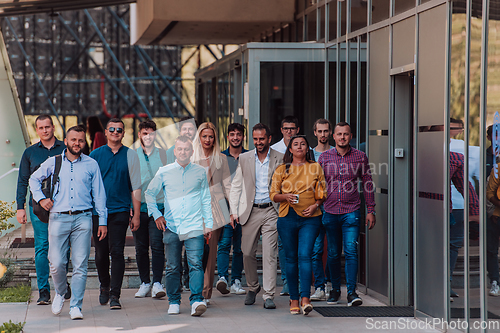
225 314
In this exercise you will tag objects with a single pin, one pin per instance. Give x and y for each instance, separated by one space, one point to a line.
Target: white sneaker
75 313
494 291
319 295
144 290
237 289
206 301
173 309
57 304
221 286
198 308
158 290
328 288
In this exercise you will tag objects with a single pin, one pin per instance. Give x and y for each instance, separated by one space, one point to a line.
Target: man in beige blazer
251 207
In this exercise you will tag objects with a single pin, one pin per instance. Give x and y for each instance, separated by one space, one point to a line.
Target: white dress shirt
262 179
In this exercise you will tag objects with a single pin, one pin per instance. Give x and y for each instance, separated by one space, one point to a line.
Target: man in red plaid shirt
344 167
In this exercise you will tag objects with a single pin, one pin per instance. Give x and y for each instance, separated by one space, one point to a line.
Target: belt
76 212
264 205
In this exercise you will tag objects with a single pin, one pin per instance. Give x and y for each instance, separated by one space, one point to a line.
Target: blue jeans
149 235
493 232
342 229
282 260
194 253
320 273
456 236
41 231
294 230
228 236
63 229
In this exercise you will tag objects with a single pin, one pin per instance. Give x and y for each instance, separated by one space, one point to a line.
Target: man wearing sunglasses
120 170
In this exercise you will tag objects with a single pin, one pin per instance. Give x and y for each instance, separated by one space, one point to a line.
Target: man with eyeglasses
120 170
289 129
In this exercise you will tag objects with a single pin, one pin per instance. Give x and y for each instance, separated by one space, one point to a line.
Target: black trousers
113 244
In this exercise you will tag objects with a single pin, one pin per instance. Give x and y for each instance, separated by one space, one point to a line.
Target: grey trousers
262 221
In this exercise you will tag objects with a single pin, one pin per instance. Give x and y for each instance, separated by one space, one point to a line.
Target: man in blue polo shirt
31 160
121 176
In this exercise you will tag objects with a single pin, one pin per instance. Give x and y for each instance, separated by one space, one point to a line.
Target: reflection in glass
291 88
223 106
311 26
332 88
380 10
301 5
358 14
300 29
343 18
322 22
332 25
402 6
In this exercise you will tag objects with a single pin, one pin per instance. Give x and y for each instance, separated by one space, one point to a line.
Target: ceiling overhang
188 22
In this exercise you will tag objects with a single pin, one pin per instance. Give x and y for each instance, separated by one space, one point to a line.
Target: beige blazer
219 181
243 186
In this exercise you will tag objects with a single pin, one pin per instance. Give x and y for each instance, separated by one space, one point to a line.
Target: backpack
48 185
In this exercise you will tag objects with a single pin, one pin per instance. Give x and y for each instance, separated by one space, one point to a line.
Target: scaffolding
80 63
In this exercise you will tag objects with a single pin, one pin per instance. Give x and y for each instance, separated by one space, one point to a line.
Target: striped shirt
457 178
342 174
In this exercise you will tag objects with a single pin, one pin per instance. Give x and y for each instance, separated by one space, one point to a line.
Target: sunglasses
118 129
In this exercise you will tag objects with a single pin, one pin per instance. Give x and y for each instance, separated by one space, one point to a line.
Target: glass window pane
311 26
322 23
343 18
300 29
401 6
286 34
301 5
291 88
359 11
380 10
332 24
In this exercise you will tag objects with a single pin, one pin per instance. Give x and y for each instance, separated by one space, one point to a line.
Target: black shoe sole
356 302
222 288
43 302
160 294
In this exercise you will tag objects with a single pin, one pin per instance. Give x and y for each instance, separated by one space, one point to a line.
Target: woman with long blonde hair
206 152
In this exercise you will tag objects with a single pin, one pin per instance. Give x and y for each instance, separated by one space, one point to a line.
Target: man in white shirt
289 128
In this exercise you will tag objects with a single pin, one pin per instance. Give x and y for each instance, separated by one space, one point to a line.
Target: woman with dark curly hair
299 186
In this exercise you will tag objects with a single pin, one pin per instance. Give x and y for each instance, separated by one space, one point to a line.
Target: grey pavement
225 314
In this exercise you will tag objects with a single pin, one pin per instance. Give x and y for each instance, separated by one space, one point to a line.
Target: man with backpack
78 185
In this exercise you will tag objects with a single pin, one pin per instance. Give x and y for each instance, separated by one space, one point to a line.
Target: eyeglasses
118 129
287 129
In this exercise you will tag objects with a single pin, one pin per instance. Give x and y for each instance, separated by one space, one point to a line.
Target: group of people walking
195 202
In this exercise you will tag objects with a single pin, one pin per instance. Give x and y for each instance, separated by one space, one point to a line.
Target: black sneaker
354 300
68 292
103 295
44 298
114 303
334 297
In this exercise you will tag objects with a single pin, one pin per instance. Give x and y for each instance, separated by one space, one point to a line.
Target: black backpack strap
55 176
163 156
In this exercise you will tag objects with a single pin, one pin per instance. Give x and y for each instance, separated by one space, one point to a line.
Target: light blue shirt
262 179
317 154
80 183
187 198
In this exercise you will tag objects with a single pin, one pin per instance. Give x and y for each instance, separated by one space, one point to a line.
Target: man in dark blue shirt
31 160
121 176
231 233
